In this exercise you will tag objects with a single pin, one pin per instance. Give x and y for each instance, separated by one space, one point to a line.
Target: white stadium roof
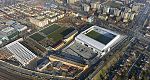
82 37
21 53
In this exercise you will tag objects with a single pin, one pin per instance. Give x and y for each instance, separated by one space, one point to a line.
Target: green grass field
50 29
99 37
56 36
67 31
37 37
54 33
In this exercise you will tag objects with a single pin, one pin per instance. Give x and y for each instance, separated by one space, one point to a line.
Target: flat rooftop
80 50
21 53
80 53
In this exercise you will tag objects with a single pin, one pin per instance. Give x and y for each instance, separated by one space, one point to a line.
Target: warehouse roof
21 53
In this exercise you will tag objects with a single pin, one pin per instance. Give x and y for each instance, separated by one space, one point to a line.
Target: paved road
143 15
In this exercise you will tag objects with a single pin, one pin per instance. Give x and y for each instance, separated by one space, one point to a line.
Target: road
139 23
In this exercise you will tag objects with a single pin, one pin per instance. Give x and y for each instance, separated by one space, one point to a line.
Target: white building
19 27
72 1
21 53
117 12
39 21
86 7
132 16
106 10
91 19
99 39
135 8
8 30
95 5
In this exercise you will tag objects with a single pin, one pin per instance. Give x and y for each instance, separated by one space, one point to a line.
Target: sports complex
54 36
99 39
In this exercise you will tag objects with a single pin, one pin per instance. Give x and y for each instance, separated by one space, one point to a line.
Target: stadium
99 39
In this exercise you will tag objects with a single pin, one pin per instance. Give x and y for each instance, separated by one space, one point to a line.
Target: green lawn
59 34
56 36
37 37
67 31
50 29
56 33
99 37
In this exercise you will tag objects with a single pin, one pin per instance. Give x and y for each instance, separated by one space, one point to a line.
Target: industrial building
43 65
10 30
4 54
21 53
79 53
68 62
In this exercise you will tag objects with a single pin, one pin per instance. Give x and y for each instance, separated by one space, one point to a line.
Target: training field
50 29
59 34
37 37
52 35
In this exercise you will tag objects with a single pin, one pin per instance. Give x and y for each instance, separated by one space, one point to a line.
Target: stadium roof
21 53
99 38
